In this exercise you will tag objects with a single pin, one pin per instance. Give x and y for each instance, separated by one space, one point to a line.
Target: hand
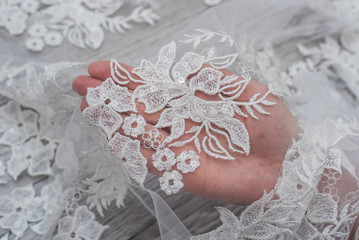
239 181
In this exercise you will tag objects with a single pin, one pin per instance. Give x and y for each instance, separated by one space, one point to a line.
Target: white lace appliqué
171 88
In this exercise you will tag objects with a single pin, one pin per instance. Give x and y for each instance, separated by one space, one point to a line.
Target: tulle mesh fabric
316 195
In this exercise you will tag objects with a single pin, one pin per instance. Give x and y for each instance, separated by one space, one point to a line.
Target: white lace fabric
43 135
175 94
82 22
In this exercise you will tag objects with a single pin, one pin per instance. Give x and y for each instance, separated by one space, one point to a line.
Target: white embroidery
81 226
171 182
20 209
81 22
169 87
164 159
190 156
134 131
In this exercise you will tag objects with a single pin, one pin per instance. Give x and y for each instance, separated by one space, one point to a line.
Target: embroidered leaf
207 80
197 144
237 131
177 129
146 71
322 209
118 73
168 118
260 109
222 62
250 112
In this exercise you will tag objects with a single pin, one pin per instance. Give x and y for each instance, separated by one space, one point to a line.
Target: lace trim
297 208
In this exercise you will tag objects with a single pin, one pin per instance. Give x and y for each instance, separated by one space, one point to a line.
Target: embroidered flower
13 19
190 156
152 139
33 156
171 182
37 30
35 44
53 38
17 125
134 119
164 159
112 95
81 226
20 209
128 151
30 6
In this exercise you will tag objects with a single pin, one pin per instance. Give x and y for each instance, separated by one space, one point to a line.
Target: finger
102 71
82 83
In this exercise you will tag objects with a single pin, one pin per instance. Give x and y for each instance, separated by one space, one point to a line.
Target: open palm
240 181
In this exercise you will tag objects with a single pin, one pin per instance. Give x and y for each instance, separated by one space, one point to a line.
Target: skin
239 181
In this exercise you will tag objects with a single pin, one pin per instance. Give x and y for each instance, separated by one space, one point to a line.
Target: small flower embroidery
37 30
164 159
81 226
13 19
152 139
134 119
171 182
30 6
20 209
193 164
53 38
35 44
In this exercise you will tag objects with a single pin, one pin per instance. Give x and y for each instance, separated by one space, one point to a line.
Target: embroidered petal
18 162
165 60
322 209
65 225
91 231
83 216
190 63
156 96
146 71
15 223
207 81
35 210
237 131
23 194
103 117
6 206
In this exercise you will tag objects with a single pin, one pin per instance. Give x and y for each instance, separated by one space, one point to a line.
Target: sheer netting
204 97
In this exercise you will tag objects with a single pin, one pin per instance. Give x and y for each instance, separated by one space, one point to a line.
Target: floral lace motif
170 88
82 22
297 208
